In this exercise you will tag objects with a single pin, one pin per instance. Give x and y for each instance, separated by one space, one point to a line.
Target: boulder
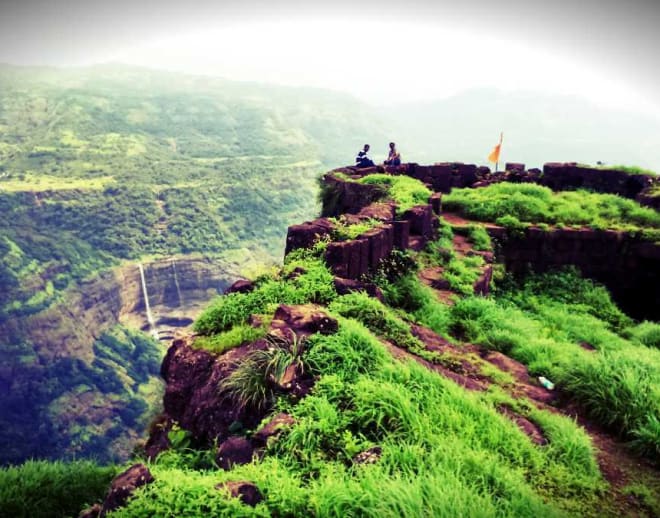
272 429
159 440
240 286
247 492
124 485
234 452
305 320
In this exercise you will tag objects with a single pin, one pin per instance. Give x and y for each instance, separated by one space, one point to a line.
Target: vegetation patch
43 489
406 192
513 205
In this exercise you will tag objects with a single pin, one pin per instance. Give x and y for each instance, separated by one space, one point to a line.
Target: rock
256 321
370 456
436 202
290 377
482 284
401 235
247 492
420 218
296 272
240 286
514 166
159 440
345 286
306 234
378 211
124 485
348 197
273 428
306 319
192 395
233 452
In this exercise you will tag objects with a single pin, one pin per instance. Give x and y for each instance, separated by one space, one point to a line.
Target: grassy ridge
509 204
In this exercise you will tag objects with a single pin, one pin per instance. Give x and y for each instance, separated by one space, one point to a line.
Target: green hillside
109 164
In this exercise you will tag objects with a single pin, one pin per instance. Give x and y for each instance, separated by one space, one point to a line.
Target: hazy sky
380 51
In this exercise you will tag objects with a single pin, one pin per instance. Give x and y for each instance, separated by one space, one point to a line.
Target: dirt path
464 365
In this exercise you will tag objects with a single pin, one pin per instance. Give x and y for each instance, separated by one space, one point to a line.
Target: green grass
53 489
445 451
630 169
238 335
406 192
315 285
343 232
513 205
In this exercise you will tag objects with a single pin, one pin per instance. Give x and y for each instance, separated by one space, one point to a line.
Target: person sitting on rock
362 159
393 157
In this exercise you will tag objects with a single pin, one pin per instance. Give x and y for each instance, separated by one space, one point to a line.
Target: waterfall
176 283
150 318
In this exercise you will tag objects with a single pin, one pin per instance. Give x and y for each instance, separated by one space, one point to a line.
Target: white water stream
176 283
150 318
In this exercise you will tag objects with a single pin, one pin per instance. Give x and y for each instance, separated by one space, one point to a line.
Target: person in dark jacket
393 157
362 159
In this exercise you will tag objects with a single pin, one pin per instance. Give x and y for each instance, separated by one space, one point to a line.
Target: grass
314 285
52 489
630 169
406 192
343 231
445 451
513 205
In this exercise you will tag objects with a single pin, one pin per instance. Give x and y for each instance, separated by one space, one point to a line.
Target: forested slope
103 165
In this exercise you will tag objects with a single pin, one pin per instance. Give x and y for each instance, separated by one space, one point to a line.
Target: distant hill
537 128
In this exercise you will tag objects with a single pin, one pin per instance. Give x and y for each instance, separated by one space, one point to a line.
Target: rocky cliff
74 380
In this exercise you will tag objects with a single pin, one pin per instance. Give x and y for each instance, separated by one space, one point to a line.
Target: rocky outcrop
194 397
627 265
306 234
342 197
442 177
562 176
124 485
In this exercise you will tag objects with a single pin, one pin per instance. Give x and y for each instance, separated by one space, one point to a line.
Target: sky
382 52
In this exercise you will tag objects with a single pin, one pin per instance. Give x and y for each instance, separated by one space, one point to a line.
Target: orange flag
494 156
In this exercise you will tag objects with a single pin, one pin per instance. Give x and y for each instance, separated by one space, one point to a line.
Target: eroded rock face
194 377
306 234
124 485
342 197
562 176
628 266
192 395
